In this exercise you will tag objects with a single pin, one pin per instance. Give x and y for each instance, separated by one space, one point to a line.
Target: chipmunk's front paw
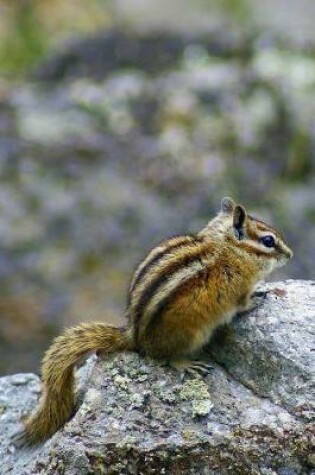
258 297
260 294
253 301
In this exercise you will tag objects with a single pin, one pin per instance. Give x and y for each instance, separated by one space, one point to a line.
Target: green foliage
25 43
237 9
300 160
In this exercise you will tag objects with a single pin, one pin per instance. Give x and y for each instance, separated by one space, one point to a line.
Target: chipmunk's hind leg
175 341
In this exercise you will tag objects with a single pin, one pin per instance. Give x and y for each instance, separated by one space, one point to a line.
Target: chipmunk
179 294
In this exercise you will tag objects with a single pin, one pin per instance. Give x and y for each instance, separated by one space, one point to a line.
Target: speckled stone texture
253 414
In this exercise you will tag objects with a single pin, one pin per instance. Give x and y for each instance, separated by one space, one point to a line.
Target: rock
274 354
251 415
100 54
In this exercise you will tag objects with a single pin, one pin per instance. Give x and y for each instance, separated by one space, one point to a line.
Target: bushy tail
58 399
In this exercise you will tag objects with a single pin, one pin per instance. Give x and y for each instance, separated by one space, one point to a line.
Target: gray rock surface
251 415
271 351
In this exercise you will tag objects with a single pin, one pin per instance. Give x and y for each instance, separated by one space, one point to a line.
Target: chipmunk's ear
227 205
239 218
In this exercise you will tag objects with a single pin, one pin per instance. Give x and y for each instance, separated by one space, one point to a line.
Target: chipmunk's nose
288 253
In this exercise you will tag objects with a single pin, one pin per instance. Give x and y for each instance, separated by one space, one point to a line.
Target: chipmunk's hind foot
197 369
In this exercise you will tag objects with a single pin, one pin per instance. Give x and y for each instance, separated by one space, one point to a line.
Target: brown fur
57 402
182 290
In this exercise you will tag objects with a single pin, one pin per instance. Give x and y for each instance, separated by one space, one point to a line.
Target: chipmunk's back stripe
156 255
172 295
169 276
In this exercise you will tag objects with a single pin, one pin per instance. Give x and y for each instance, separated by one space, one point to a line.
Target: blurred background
124 122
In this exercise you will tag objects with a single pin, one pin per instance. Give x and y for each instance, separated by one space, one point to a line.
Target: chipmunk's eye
268 241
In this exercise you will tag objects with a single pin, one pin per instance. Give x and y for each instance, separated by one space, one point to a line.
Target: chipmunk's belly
203 335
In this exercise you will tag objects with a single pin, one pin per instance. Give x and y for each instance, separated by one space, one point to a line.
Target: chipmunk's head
264 243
